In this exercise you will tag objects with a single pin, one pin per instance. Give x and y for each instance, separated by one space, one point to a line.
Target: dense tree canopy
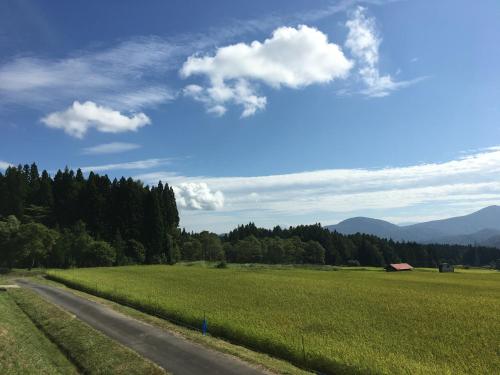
317 245
86 209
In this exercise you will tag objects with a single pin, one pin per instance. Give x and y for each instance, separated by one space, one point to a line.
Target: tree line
314 244
75 221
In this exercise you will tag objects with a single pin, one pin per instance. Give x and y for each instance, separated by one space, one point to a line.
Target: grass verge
91 351
23 348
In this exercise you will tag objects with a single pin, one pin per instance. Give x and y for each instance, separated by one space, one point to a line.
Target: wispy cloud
271 21
123 76
110 148
363 40
146 97
466 183
131 165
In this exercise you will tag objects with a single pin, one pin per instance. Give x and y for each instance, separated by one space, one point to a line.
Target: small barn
394 267
445 267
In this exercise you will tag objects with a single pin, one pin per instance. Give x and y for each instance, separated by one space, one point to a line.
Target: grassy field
91 351
23 348
359 321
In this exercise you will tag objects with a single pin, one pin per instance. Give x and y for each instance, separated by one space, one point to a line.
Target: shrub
134 250
221 264
100 253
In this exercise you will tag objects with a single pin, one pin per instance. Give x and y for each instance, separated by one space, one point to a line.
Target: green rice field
344 321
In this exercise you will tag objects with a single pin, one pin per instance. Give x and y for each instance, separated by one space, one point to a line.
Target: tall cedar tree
154 229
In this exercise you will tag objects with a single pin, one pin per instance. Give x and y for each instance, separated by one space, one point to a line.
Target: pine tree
66 192
92 206
3 196
34 184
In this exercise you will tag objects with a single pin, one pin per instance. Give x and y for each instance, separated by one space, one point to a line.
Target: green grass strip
91 351
23 348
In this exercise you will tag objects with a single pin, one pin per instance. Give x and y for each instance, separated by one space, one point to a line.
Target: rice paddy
344 321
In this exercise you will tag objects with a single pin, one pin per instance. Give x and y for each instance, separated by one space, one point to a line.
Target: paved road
169 351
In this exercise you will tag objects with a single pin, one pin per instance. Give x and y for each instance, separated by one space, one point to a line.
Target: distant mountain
486 218
481 228
366 225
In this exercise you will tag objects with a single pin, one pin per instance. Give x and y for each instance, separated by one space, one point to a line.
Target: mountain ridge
481 227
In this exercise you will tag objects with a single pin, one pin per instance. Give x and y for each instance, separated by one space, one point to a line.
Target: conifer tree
154 231
44 196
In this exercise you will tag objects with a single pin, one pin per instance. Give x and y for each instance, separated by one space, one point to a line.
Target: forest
294 245
73 220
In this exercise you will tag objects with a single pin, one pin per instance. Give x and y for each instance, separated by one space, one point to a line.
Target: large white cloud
198 196
292 57
80 117
363 41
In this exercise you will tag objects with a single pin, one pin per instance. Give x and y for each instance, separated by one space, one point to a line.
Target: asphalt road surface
173 353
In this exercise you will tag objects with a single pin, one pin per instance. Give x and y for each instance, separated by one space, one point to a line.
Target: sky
279 113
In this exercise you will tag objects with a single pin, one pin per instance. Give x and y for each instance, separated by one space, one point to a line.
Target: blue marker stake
204 327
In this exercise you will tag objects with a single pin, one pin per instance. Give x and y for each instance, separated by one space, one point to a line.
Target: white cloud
215 97
431 190
292 57
78 118
140 98
128 76
131 165
110 148
4 165
198 196
124 76
363 40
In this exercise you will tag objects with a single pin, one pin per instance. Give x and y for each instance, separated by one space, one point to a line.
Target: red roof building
398 267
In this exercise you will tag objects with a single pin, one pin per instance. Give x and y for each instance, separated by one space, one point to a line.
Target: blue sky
282 112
